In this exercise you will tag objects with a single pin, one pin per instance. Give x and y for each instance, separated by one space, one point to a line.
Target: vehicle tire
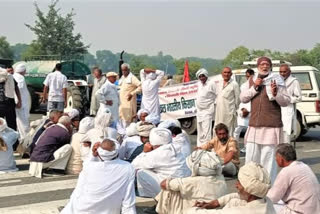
33 100
299 128
74 99
189 125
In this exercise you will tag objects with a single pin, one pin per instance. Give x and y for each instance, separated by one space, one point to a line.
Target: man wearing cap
253 184
206 97
267 93
23 112
109 98
206 182
228 100
288 113
130 86
105 185
158 161
150 83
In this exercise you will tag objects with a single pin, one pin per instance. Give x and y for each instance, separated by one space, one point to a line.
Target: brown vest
264 113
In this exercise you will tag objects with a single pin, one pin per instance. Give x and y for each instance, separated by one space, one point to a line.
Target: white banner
178 101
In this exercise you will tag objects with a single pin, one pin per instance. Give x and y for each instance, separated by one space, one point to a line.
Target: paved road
22 194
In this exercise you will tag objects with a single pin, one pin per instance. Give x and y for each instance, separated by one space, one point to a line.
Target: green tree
5 50
54 33
18 51
193 67
236 57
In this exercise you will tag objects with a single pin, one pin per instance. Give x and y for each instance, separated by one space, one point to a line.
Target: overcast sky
180 28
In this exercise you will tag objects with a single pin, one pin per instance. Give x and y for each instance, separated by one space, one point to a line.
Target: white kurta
108 91
228 100
104 188
206 97
7 160
150 87
288 113
94 105
23 112
232 204
128 146
157 165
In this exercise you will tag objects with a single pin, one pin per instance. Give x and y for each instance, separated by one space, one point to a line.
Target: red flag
186 77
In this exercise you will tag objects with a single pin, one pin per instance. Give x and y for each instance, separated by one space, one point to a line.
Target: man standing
57 84
226 148
296 185
150 85
8 90
228 101
109 97
267 92
23 112
129 87
206 97
99 80
288 113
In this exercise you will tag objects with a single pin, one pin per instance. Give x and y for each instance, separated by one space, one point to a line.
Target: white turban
144 129
169 123
102 120
160 136
154 119
254 179
131 130
202 71
109 155
20 68
73 113
204 163
86 124
142 111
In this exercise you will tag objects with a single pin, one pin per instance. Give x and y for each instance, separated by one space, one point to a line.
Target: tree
55 33
18 51
5 50
236 57
193 67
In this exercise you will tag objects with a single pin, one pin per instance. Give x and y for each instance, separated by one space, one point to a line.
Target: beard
223 140
263 72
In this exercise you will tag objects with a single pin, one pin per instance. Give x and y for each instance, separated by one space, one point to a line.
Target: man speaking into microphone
267 93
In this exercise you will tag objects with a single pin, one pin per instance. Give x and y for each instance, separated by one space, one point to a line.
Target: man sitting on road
158 161
206 183
105 185
52 149
296 185
253 184
227 149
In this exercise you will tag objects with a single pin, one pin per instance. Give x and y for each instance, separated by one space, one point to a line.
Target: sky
179 28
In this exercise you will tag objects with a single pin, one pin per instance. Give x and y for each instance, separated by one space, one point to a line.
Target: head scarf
102 120
144 129
109 155
73 114
169 123
160 136
142 111
153 118
202 71
204 163
261 59
112 74
86 124
3 124
255 179
20 68
131 130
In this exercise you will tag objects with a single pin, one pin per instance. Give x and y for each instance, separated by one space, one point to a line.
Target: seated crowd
154 159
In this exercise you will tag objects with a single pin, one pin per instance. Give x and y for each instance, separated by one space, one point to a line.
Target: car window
304 80
317 78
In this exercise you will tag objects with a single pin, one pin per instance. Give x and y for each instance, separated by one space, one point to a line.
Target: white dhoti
204 131
237 132
148 183
264 155
229 169
61 158
23 121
